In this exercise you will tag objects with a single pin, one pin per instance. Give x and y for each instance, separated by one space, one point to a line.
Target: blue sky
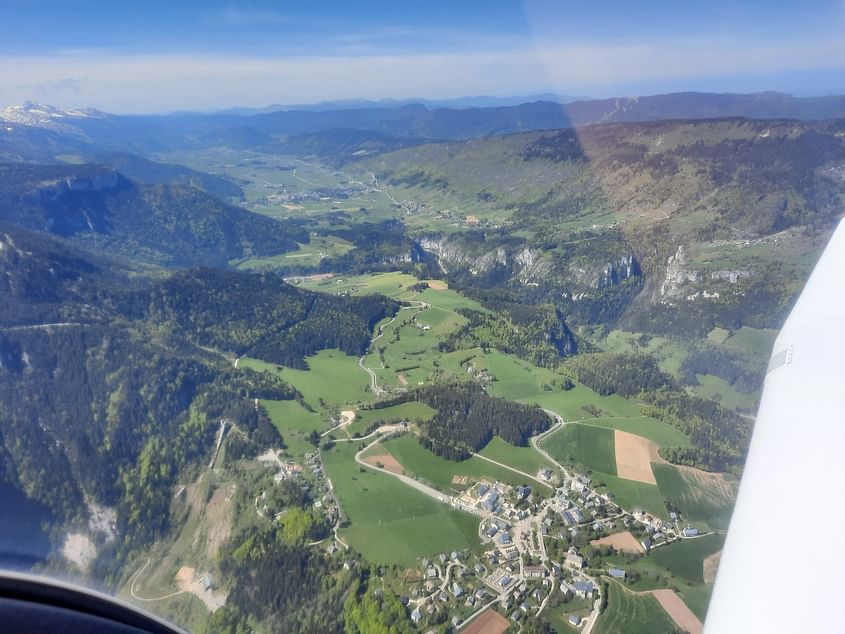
129 56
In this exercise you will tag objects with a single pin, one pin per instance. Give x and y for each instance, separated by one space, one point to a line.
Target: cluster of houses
502 500
520 585
482 376
575 503
288 470
460 597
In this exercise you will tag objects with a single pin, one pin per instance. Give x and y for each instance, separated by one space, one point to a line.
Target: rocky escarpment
105 180
528 266
685 282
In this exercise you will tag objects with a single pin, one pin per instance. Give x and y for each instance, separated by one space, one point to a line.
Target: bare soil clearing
218 516
386 462
678 610
402 379
489 622
633 457
79 549
623 541
437 285
189 581
711 565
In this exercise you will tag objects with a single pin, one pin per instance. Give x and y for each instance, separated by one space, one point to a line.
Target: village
534 548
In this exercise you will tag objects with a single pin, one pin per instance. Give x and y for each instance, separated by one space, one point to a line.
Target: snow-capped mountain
32 113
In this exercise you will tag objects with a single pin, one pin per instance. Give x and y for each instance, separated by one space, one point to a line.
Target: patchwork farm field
390 522
701 497
685 558
633 614
655 430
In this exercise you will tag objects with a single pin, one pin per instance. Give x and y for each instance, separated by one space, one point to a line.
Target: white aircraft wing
783 564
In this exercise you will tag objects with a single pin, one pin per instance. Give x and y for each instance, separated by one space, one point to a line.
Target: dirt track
633 457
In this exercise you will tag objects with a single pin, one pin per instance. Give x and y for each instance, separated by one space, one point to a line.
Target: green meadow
439 472
333 379
294 423
707 499
633 614
390 522
592 447
685 558
655 430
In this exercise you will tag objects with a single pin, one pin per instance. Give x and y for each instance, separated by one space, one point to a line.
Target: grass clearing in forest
294 423
332 380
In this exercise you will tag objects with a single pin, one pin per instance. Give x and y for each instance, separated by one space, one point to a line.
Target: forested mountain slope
110 387
99 208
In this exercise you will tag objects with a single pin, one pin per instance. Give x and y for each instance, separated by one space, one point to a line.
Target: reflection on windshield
306 335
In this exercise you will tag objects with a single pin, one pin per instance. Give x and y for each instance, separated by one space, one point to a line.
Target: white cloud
151 83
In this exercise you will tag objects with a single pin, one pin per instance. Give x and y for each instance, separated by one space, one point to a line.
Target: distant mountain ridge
156 132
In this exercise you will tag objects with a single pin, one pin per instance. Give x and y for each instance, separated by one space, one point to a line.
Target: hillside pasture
439 472
630 494
654 430
685 558
333 379
525 459
699 496
294 423
411 411
592 447
632 614
390 522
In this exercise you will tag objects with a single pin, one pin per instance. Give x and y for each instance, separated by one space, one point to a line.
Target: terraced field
701 497
633 614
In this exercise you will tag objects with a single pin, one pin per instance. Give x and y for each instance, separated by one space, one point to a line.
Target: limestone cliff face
683 282
105 180
619 270
529 266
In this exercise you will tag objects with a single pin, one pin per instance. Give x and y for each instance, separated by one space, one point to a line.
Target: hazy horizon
163 56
